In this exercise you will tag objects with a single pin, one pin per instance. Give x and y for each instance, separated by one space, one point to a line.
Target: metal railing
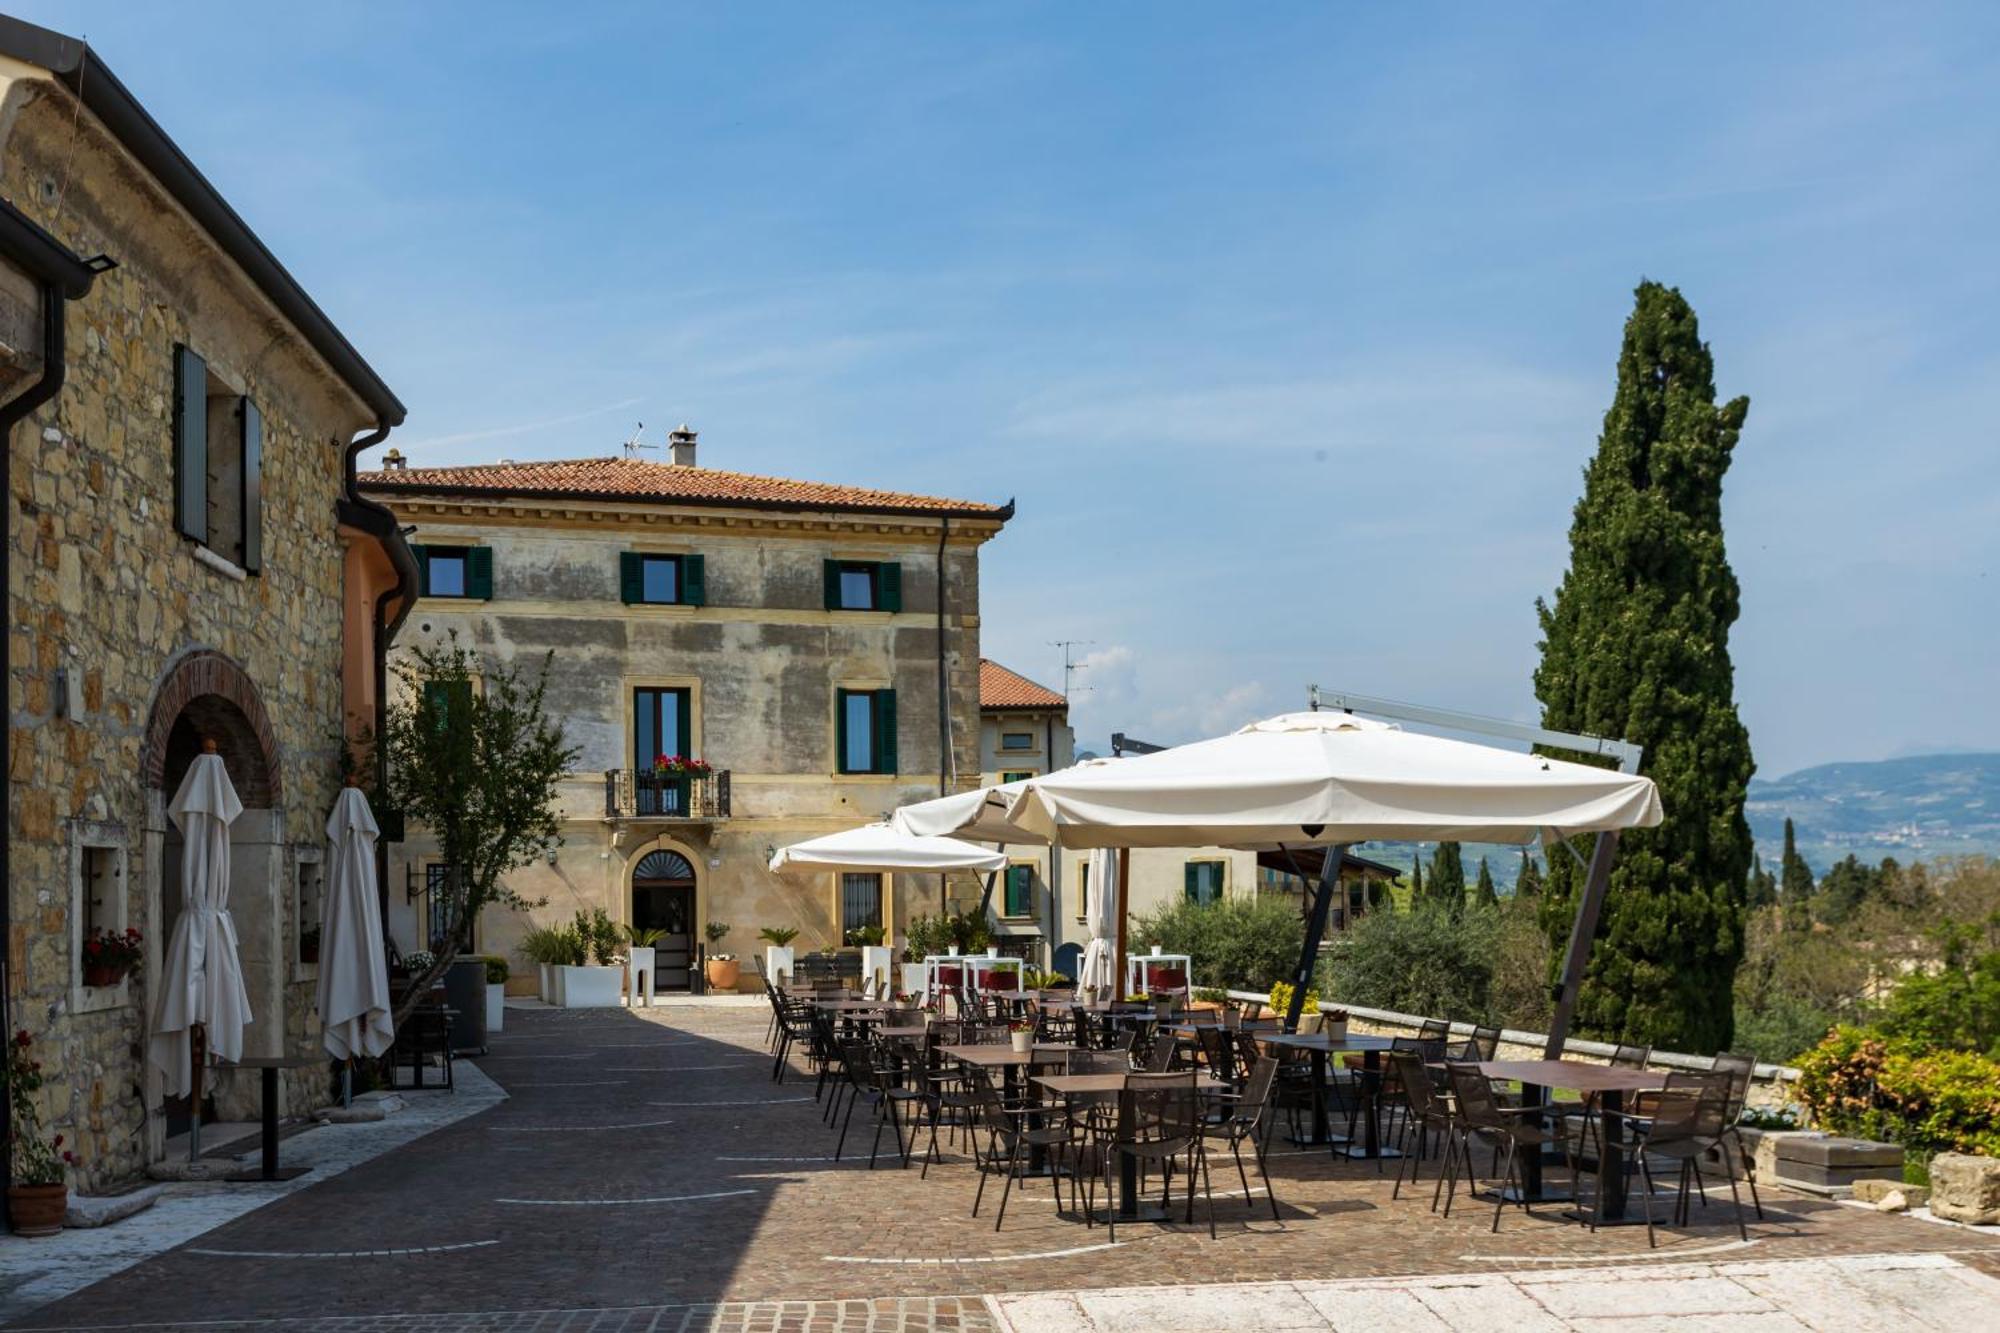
646 794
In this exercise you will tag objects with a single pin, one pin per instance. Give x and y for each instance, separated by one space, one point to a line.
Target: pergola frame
1583 930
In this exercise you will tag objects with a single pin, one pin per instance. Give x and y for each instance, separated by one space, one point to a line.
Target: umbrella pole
1329 880
1583 932
1118 958
347 1081
197 1059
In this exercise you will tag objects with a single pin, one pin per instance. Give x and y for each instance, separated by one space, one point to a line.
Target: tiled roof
658 483
1001 688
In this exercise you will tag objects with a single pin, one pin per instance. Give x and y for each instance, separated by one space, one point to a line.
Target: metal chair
1686 1124
1241 1120
1741 1067
1479 1112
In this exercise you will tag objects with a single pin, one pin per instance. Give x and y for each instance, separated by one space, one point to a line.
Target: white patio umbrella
202 1002
353 976
979 815
1097 969
882 849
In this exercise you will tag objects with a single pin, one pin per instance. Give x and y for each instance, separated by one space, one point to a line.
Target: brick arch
206 695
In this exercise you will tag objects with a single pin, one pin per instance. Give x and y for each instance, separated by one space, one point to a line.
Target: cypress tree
1795 883
1763 890
1529 885
1417 878
1448 878
1486 894
1636 645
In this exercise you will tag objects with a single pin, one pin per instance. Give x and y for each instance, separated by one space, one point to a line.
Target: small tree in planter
478 768
39 1193
722 968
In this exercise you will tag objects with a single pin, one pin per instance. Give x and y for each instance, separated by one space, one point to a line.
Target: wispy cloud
517 428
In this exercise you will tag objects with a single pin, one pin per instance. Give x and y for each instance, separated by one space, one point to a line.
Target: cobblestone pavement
646 1173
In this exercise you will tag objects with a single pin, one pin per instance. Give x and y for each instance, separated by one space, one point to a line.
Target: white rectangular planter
878 962
915 976
590 987
545 983
496 1005
639 975
778 964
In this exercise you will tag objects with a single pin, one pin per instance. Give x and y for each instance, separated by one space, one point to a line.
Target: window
455 571
1082 890
1017 740
97 903
1017 775
448 701
308 888
1018 897
662 580
860 902
864 585
1204 881
662 724
102 909
218 464
865 731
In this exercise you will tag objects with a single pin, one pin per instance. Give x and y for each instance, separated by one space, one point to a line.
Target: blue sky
1290 327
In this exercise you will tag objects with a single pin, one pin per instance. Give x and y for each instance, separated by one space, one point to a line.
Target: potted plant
722 969
39 1194
496 991
641 953
1333 1023
545 948
109 958
924 937
595 976
778 953
673 777
1022 1034
875 958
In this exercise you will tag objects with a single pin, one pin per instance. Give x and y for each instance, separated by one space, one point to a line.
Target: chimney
393 461
680 447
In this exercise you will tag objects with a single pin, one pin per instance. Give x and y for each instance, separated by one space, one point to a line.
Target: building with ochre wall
186 561
816 645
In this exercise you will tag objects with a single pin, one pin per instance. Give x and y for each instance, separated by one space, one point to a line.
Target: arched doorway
663 898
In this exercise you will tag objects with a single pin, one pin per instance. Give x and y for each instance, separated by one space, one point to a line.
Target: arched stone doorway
207 696
664 898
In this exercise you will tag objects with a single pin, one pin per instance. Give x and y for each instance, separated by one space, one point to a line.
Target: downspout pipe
63 278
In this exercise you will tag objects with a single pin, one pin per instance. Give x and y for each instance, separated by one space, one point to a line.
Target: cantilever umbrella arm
1582 932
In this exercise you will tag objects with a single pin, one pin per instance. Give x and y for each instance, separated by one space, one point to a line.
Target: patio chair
1742 1067
1686 1123
795 1028
1242 1119
1165 1126
1486 1041
1009 1128
1161 1059
869 1082
1477 1113
1425 1111
1218 1051
1434 1029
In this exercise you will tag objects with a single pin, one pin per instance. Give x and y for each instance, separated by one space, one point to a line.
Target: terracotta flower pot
102 974
722 975
37 1210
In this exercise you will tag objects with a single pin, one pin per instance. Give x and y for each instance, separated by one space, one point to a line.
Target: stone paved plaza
644 1172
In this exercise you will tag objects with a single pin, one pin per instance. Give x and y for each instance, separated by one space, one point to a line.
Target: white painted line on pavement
757 1101
1610 1258
569 1129
623 1203
979 1259
343 1254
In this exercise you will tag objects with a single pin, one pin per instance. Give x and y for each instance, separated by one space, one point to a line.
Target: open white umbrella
979 815
202 1003
1097 971
353 976
882 849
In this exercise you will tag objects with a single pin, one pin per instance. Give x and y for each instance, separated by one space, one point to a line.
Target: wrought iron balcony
647 794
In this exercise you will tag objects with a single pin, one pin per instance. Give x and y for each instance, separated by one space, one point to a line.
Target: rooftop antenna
1069 666
637 442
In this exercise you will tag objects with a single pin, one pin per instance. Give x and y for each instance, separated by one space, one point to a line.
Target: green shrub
496 970
1783 1028
1856 1083
924 936
779 935
1429 961
1237 943
1281 998
1956 1007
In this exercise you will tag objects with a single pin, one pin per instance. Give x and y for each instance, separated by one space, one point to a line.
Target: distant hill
1913 808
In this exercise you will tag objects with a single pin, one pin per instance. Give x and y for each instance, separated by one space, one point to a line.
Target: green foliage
1522 964
1856 1083
716 931
1237 943
865 935
1446 886
969 930
35 1157
1847 886
1954 1008
1762 888
1034 979
496 970
474 758
1636 645
1427 961
1485 894
1795 882
600 935
779 935
1281 998
1529 883
924 936
644 937
552 945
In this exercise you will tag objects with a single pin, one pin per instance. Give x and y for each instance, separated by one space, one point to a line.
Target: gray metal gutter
80 69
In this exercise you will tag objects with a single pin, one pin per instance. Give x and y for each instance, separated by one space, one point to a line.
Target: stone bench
1825 1164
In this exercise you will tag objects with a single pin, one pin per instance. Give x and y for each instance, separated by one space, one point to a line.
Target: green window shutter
684 721
1192 887
885 731
631 577
840 731
888 586
694 580
1020 884
190 444
253 487
423 555
479 573
830 572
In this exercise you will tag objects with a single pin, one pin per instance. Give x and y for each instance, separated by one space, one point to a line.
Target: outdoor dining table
1012 1064
1319 1046
1607 1086
1084 1085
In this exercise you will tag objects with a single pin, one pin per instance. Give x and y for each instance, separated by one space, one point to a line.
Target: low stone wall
1770 1087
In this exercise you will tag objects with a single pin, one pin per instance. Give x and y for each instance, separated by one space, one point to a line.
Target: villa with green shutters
816 645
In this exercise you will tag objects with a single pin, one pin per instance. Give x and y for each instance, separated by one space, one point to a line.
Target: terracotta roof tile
661 483
1001 688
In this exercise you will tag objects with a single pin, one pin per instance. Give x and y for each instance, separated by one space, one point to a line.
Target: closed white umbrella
353 976
1098 969
882 849
1321 778
201 994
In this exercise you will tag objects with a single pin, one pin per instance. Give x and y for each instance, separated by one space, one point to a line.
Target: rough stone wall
102 587
765 657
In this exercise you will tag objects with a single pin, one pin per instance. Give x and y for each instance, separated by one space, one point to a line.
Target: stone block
1765 1143
1833 1153
92 1210
1965 1188
1875 1189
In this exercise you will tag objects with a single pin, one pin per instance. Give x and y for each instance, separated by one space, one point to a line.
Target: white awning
882 849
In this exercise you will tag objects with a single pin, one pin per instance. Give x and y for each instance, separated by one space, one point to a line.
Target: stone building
186 560
817 645
1039 903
